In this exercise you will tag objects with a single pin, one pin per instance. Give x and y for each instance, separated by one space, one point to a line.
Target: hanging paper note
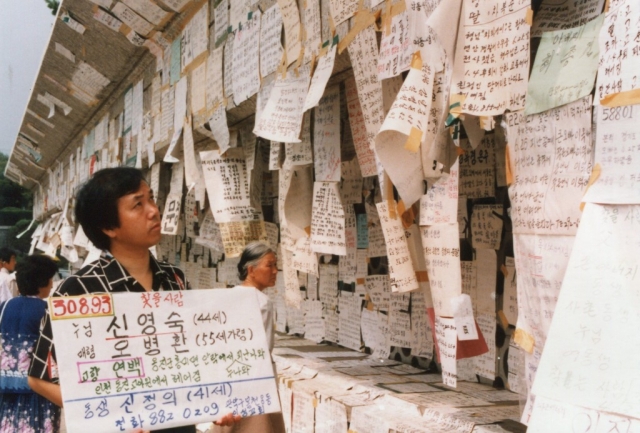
565 67
485 26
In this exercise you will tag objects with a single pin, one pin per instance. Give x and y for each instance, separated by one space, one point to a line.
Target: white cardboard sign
161 359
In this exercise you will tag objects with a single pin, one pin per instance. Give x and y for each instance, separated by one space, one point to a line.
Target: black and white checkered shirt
104 275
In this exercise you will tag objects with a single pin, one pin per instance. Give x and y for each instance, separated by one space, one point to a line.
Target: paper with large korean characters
161 359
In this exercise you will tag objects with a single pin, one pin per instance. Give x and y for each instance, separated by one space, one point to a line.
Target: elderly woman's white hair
251 256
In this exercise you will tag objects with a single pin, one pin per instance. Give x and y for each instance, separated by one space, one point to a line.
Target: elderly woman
22 410
258 269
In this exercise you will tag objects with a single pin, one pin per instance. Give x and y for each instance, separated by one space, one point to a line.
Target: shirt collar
117 275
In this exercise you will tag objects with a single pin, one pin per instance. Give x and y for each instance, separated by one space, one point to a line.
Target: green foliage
11 215
12 194
16 210
53 5
23 244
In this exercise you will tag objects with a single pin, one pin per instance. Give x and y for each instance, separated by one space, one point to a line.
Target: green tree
16 206
53 5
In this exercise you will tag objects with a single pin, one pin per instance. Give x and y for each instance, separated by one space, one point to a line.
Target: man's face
11 264
139 220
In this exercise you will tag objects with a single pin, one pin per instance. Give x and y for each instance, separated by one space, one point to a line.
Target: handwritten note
104 365
565 67
195 37
310 12
351 186
446 339
342 10
320 78
546 191
399 139
304 259
375 333
281 119
486 27
246 59
349 318
510 292
238 13
395 48
363 52
227 186
327 220
377 246
594 311
618 64
477 170
292 31
617 153
214 85
132 19
486 226
221 22
300 153
442 256
440 204
540 269
559 15
236 235
553 413
366 156
401 272
326 143
173 204
270 46
228 67
219 129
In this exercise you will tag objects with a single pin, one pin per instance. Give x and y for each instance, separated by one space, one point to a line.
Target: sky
25 28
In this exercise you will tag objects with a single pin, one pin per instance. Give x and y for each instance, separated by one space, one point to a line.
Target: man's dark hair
34 272
97 201
6 253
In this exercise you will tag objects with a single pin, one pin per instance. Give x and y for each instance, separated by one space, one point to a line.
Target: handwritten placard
161 359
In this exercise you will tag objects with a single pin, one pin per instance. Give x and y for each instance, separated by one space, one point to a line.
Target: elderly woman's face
264 274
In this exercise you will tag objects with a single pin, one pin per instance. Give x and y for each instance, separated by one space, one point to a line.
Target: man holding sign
117 212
